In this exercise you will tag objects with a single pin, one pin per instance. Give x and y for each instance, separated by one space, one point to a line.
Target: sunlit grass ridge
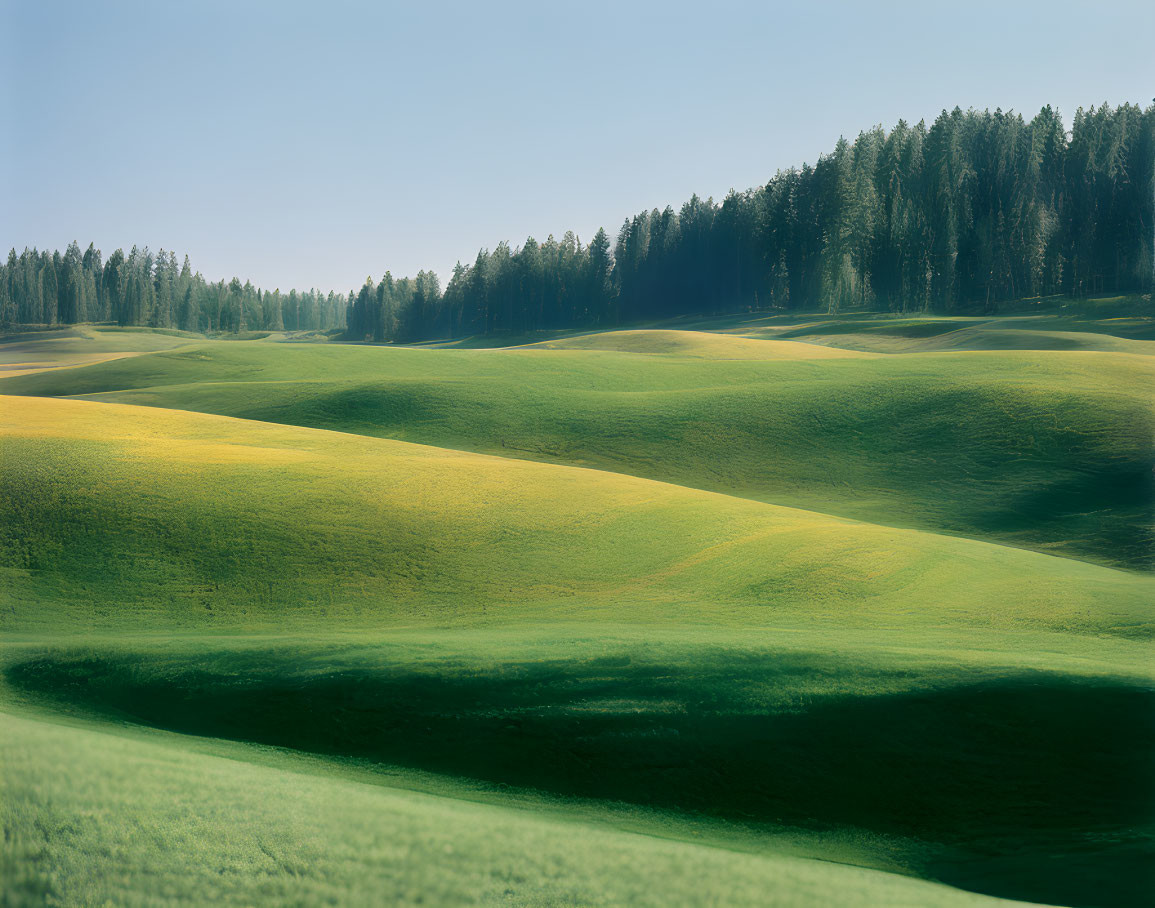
197 519
1047 450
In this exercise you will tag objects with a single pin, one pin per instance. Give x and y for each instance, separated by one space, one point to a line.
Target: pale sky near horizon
312 144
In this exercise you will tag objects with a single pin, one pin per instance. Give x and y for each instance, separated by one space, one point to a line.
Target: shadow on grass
1036 787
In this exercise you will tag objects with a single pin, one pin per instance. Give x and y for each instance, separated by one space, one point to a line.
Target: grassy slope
38 350
1049 450
114 514
234 833
843 338
932 335
697 344
888 698
1112 317
692 667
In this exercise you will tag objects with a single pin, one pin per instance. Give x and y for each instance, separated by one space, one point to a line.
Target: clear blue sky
311 144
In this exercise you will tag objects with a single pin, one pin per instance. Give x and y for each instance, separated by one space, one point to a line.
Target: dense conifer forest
149 289
978 209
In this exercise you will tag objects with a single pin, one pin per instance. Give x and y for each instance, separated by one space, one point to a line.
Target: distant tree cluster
149 289
980 208
397 310
977 209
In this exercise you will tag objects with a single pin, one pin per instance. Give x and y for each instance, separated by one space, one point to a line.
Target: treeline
978 209
154 290
401 309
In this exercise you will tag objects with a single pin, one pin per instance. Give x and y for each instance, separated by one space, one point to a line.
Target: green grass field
151 819
654 617
35 351
1047 450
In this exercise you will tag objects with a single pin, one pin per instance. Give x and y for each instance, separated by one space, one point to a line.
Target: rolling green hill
247 657
1045 450
232 831
939 334
29 352
698 344
114 514
582 633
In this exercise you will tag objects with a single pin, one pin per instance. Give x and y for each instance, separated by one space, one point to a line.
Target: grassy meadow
1043 449
821 611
